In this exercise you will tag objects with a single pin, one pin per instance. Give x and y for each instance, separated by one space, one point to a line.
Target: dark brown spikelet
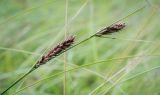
55 51
111 29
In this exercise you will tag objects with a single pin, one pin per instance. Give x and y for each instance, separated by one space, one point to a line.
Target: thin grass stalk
36 67
18 81
65 54
86 65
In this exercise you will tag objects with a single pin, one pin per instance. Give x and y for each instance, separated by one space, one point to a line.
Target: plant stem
32 69
18 80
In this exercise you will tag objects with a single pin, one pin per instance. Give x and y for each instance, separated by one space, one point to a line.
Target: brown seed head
55 51
111 29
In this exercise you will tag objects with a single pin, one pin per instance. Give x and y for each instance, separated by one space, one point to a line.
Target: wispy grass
86 65
84 17
65 54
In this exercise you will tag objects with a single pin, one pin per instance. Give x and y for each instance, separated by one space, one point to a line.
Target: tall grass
25 25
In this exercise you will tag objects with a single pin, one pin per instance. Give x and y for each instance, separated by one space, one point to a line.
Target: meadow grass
130 63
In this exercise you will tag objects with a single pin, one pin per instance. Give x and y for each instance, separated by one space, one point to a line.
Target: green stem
36 68
18 80
63 52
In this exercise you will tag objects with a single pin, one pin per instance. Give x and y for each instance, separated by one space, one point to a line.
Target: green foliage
30 28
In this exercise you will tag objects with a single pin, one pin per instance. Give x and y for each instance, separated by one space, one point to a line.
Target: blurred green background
29 28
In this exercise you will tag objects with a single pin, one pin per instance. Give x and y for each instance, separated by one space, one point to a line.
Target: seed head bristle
111 29
55 51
